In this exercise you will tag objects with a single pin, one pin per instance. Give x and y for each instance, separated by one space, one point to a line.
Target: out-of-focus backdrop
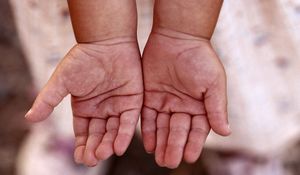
258 42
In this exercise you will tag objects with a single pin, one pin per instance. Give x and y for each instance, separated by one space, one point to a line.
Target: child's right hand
105 81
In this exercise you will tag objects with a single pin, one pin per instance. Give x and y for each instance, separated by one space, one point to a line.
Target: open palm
185 95
105 82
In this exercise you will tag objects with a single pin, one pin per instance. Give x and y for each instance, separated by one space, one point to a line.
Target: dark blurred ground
14 91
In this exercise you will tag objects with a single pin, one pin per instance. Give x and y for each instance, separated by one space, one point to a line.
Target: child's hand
185 96
105 81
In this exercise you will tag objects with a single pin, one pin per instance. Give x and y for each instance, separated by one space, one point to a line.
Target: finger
199 131
105 149
179 130
128 122
216 107
81 128
50 96
162 133
148 127
96 132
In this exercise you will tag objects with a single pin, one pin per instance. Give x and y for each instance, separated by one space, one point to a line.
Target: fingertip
39 111
126 131
228 130
191 157
223 130
119 147
171 165
172 160
78 154
27 115
219 123
100 156
119 152
150 152
148 128
159 160
92 164
190 161
149 144
89 159
103 153
34 117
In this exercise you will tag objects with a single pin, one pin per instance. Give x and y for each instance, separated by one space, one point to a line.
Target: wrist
113 46
110 43
191 32
173 33
112 40
99 20
194 17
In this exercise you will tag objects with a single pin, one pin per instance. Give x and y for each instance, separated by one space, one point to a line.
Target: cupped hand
105 82
185 96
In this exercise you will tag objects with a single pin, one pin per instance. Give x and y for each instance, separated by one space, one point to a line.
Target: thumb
50 96
216 107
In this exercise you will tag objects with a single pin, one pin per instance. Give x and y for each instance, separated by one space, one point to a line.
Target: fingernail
28 113
229 128
150 152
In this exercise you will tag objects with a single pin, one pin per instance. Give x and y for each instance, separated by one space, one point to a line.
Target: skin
103 75
97 20
184 80
185 83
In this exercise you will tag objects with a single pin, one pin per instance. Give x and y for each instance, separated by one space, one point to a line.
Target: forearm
194 17
97 20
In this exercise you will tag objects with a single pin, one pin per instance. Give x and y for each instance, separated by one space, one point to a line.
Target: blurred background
258 42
